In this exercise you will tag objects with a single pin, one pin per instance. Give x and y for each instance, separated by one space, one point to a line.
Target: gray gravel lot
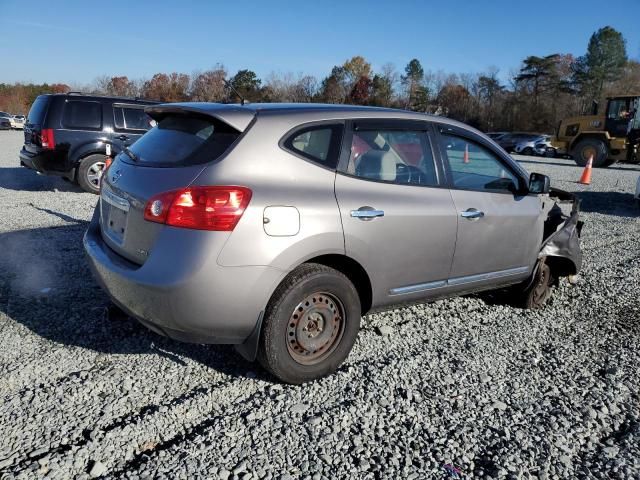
493 391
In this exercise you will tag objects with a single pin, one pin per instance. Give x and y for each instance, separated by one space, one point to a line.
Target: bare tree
209 86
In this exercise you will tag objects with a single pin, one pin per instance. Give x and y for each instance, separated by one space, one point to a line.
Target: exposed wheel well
354 272
560 266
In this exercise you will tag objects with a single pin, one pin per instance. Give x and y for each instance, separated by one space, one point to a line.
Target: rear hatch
35 122
167 158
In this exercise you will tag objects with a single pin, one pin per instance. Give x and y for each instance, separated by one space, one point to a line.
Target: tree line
542 91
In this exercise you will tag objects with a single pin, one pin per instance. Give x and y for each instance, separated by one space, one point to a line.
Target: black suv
67 134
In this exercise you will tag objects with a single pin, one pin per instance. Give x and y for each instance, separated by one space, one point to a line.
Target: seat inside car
377 165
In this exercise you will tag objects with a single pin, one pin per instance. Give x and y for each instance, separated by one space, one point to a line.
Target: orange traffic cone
465 159
585 179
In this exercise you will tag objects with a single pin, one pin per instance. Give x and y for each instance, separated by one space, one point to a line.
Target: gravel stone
492 390
97 469
299 408
385 330
498 405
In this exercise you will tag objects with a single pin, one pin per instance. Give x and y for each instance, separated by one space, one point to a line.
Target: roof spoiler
233 115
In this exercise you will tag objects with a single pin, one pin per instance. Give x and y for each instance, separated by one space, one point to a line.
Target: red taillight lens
107 163
200 208
47 139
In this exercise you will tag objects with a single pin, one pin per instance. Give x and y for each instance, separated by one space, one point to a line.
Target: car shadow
610 203
24 179
54 295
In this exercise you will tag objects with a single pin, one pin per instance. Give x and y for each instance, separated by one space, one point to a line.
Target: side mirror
539 183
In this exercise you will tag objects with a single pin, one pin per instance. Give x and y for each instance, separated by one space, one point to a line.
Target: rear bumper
40 162
178 297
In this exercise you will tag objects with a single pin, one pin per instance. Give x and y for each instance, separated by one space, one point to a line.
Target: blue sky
74 42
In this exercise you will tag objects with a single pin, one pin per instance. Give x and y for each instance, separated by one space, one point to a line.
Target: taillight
200 208
47 139
107 163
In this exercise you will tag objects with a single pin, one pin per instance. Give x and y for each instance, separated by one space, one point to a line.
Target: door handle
367 213
472 214
122 137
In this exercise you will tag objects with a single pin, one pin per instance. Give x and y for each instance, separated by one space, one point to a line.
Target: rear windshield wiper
131 155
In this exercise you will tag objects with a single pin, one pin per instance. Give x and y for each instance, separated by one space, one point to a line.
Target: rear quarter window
38 110
82 115
183 140
319 143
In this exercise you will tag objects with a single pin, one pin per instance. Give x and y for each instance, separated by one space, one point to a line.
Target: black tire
527 151
87 175
539 291
331 302
583 150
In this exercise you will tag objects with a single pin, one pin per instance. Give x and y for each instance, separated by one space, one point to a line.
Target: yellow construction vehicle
607 138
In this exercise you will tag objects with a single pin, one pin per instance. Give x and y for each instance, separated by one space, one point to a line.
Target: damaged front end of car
560 247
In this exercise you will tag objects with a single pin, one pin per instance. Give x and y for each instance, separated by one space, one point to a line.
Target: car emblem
116 176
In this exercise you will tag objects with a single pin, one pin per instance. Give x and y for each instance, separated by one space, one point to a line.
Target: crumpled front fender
561 245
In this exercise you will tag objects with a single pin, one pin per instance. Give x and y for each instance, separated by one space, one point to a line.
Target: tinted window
183 140
82 114
131 118
320 144
398 156
38 110
475 167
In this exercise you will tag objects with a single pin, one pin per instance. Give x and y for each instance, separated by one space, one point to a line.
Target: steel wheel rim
94 173
315 328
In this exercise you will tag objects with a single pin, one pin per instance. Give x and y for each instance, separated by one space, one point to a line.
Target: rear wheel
90 172
527 151
590 147
310 324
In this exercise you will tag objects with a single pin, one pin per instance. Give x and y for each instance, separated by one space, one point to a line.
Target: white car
536 145
17 121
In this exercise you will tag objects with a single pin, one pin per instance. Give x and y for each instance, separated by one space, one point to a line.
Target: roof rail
75 93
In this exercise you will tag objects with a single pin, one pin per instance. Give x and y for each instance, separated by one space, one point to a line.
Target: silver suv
276 227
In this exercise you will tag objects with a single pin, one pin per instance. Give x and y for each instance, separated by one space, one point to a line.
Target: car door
398 218
499 227
130 123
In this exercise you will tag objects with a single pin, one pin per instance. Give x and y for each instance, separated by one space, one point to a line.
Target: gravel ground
457 385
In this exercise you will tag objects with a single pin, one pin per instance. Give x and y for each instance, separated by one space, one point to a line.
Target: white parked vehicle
17 122
534 146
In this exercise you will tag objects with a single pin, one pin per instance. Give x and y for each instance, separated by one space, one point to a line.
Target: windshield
183 140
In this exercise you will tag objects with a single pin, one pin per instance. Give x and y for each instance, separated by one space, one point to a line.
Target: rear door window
131 118
183 140
38 110
397 156
82 114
